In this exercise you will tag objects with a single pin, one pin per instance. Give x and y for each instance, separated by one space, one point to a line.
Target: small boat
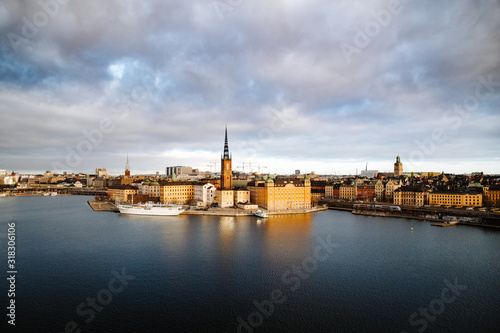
53 194
445 224
262 214
46 194
3 195
151 209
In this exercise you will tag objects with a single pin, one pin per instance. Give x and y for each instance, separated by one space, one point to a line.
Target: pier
444 224
102 206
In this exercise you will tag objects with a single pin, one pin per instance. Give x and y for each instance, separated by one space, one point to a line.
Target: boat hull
261 214
151 211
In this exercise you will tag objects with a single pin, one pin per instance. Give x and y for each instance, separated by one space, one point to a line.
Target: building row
393 191
181 193
362 189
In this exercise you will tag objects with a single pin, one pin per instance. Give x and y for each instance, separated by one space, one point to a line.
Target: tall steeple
226 148
127 168
226 172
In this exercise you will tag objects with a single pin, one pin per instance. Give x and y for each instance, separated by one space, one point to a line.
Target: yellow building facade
177 193
225 198
390 187
409 196
120 194
282 194
241 196
347 192
456 199
492 194
379 190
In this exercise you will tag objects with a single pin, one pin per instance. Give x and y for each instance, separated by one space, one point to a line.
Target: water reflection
288 236
278 238
226 226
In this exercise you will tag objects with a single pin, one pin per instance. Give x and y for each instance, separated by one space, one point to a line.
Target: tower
398 167
226 173
127 168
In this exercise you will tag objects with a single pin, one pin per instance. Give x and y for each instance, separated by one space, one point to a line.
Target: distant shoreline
392 215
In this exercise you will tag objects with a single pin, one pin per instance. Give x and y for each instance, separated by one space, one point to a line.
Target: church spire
127 168
226 172
226 148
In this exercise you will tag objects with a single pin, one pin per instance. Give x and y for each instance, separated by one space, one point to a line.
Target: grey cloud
183 73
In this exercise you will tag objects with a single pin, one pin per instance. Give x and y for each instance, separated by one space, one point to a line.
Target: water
200 274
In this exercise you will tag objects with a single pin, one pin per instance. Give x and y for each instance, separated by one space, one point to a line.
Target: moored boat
262 214
151 209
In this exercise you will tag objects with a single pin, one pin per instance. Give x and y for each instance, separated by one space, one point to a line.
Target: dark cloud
167 76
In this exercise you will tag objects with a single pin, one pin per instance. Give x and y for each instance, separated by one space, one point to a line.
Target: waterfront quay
448 216
241 212
102 206
107 206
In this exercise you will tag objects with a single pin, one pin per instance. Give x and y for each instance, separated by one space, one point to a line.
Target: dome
154 184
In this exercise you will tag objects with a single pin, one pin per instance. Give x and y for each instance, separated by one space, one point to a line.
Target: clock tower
226 173
398 167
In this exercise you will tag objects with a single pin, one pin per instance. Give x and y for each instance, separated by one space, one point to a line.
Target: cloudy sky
315 85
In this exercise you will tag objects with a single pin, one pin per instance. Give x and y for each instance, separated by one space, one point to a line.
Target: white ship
151 209
261 214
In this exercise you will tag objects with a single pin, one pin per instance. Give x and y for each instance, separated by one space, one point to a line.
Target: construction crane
212 164
246 163
263 167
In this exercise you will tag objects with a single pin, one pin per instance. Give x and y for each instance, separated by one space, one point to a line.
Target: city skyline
299 85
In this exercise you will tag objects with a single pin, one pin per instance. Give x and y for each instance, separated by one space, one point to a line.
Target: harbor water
329 271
